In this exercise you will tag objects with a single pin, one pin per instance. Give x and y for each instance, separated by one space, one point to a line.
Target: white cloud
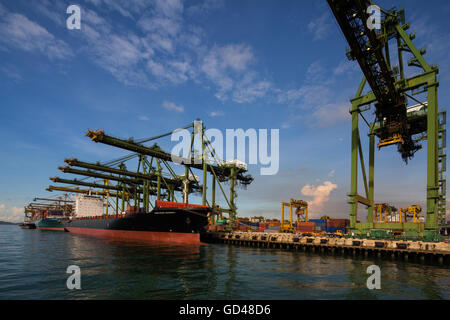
159 51
123 55
320 194
125 8
172 106
315 72
205 7
51 10
173 71
170 27
319 96
144 118
216 114
321 26
12 72
18 32
346 67
162 49
249 89
330 114
169 8
11 214
309 95
228 67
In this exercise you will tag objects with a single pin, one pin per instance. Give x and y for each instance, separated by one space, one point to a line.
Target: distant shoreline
10 223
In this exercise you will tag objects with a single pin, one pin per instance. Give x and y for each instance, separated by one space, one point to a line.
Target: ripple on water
33 266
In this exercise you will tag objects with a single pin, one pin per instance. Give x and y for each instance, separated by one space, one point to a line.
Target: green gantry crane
396 123
149 178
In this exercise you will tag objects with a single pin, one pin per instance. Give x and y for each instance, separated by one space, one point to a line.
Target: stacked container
171 204
273 227
249 225
262 226
340 223
334 225
321 224
305 227
335 229
132 209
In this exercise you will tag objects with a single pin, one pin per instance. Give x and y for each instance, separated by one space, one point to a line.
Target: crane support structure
300 205
223 172
128 181
396 122
178 182
84 191
54 200
155 175
91 184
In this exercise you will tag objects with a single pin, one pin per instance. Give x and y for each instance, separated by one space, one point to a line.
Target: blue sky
139 68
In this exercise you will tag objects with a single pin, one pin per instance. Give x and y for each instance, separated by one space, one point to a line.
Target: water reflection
33 265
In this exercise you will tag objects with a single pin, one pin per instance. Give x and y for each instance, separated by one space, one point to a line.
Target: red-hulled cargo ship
168 222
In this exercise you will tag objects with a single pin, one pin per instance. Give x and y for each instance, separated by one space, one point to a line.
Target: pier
411 251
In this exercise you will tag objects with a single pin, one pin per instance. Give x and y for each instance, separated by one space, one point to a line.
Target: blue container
320 223
335 229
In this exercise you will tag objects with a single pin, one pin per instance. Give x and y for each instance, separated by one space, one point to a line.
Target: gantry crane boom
366 48
175 184
95 185
85 191
42 206
223 172
371 50
55 200
395 122
122 172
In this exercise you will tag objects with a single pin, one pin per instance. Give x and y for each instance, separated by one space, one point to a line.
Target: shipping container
335 229
249 225
305 226
274 224
341 223
309 224
132 209
171 204
321 224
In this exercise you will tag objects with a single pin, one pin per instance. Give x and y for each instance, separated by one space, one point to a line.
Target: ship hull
53 224
28 226
173 237
169 225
